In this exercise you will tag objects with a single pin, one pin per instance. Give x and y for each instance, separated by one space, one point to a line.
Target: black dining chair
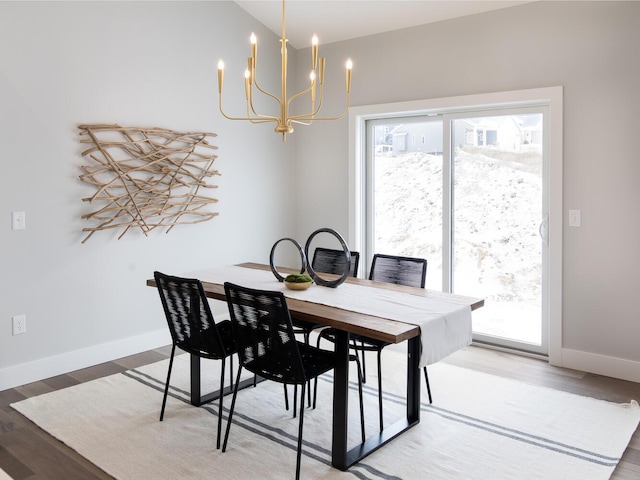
194 330
325 260
267 347
330 261
408 271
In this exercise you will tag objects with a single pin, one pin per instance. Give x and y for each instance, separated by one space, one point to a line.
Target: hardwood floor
27 452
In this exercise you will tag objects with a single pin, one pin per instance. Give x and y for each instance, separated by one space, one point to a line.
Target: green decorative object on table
298 281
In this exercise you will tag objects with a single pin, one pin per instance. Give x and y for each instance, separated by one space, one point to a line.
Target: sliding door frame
550 97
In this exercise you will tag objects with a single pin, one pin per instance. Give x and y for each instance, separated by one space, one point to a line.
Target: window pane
407 181
497 211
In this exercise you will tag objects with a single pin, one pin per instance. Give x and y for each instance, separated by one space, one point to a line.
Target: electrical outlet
19 324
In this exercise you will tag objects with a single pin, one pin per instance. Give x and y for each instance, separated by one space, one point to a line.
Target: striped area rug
479 427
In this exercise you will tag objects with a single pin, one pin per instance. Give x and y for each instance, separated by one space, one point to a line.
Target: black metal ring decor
347 255
303 258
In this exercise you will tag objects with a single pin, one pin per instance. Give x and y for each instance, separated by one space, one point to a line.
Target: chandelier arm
298 95
310 116
254 76
251 119
307 117
262 117
342 115
257 121
303 118
276 98
258 117
300 122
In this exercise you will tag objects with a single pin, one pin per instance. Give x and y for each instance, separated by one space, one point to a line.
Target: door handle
543 229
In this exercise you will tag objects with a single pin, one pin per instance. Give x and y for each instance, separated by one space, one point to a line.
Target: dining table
433 324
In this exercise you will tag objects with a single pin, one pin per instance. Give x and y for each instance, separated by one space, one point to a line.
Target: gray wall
589 48
136 64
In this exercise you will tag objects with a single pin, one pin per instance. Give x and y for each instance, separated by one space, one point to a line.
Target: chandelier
284 119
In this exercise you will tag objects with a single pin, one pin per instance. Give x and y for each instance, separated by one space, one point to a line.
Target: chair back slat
326 260
409 271
188 315
264 335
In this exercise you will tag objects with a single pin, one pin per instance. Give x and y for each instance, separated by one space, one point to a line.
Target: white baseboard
601 365
24 373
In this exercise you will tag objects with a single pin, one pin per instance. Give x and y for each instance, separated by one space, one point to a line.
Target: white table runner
445 326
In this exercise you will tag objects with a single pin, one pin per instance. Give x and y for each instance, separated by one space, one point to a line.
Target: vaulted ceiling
336 20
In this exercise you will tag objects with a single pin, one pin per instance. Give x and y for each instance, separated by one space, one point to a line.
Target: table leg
342 458
340 401
413 380
197 399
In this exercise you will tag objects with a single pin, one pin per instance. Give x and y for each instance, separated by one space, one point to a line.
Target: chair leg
233 406
380 388
306 335
315 391
286 397
315 382
426 379
301 420
220 404
295 401
166 387
361 400
364 365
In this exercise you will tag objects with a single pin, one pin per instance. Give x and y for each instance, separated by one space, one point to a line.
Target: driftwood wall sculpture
147 177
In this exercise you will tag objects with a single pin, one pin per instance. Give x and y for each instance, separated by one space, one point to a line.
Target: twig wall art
147 177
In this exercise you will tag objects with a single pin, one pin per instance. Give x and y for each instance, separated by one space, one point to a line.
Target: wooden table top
387 330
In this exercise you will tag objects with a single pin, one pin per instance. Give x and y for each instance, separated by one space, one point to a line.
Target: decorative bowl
297 285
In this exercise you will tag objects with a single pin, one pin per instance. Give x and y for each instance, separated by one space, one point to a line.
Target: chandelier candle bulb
254 46
247 83
220 76
349 67
314 51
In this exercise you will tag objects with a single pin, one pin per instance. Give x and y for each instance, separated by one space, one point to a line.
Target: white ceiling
336 20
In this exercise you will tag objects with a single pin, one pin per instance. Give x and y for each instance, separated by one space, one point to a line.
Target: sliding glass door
467 192
497 218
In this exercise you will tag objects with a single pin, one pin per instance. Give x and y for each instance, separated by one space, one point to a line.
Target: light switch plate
18 221
574 218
